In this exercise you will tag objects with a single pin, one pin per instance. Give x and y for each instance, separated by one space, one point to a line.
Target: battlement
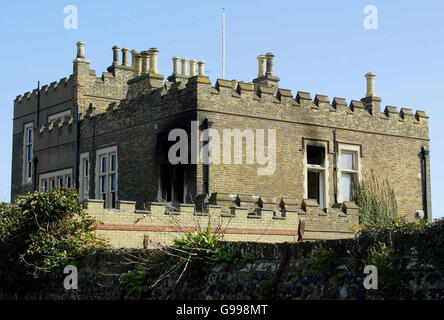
238 217
129 81
44 90
56 124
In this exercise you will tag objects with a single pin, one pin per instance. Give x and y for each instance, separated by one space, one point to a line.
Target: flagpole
223 43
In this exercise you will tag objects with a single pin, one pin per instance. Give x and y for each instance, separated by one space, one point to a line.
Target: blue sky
320 47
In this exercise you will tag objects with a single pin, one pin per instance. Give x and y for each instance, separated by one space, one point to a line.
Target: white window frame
27 164
349 148
84 176
52 179
323 193
59 115
108 152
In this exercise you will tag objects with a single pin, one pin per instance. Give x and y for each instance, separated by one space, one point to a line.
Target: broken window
172 178
315 155
316 172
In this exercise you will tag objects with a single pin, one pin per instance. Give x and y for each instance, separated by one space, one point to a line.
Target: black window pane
315 155
313 185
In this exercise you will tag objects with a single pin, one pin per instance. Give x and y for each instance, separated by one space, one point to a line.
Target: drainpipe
207 124
77 146
34 160
38 105
92 182
335 169
425 158
34 174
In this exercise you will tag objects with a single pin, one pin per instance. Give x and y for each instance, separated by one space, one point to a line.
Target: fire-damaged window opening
315 172
172 179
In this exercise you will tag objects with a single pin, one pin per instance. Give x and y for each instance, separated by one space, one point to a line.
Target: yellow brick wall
126 228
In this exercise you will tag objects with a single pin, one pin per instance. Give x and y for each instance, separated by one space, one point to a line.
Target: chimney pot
176 65
116 53
261 63
270 64
370 84
192 68
184 66
154 52
136 62
201 68
145 62
81 50
125 57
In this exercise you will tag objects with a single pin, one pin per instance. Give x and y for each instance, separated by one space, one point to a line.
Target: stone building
290 158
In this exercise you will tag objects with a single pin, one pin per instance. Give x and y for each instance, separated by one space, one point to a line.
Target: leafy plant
202 249
136 281
388 264
378 208
46 231
323 261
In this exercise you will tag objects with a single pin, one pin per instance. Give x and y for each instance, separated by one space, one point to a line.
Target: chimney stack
149 77
125 57
116 54
153 52
265 75
80 64
371 102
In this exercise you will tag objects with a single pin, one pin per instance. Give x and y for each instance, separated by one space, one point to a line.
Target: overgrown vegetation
324 261
46 231
388 264
193 254
377 204
378 208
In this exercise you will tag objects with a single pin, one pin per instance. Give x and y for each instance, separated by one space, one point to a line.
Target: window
28 139
106 173
316 169
84 176
349 171
57 178
59 115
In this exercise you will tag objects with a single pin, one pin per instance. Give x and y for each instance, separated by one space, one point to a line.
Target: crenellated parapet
55 93
237 217
255 100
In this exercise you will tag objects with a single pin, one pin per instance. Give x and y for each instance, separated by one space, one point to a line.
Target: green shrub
46 231
201 249
324 262
388 264
136 281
